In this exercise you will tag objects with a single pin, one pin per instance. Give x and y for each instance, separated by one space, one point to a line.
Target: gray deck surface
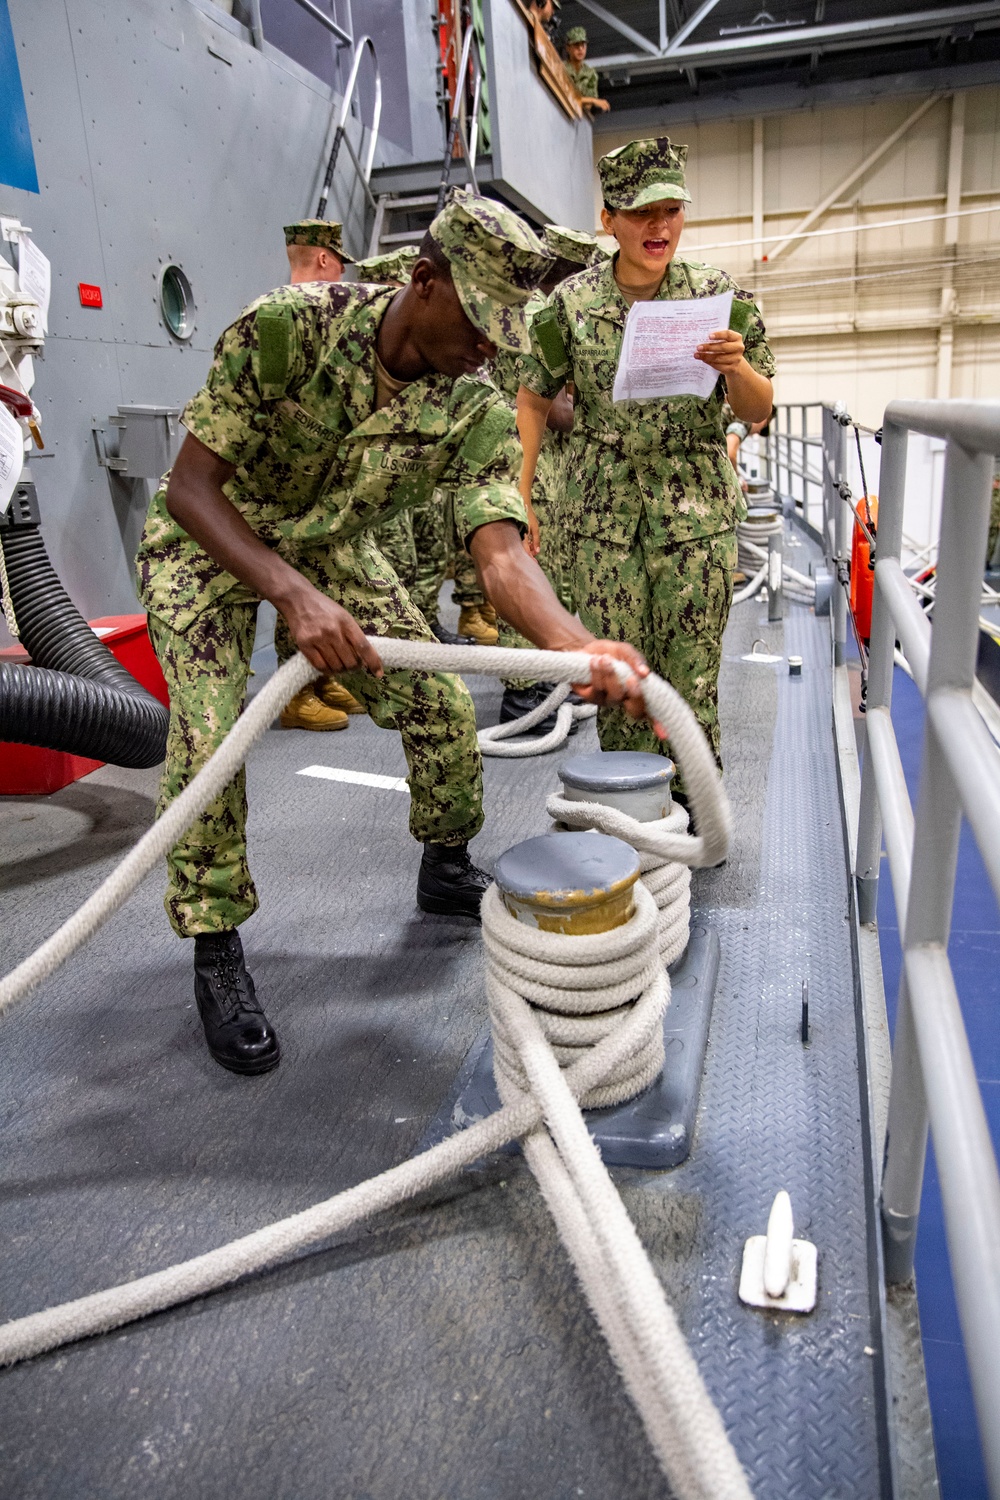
443 1353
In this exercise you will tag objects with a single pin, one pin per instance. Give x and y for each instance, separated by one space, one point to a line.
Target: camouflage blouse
665 458
290 400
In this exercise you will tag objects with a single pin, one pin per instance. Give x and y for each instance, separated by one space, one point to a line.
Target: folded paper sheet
657 357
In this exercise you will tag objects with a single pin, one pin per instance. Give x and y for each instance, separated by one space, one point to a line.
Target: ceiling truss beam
912 25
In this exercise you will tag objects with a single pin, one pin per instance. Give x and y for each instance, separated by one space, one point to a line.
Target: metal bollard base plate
653 1131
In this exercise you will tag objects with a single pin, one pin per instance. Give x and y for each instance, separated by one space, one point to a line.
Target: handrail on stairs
340 136
457 130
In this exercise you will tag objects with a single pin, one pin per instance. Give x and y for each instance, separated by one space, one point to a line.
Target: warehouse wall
858 317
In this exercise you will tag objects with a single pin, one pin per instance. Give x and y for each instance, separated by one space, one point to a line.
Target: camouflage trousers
416 543
672 604
554 558
210 888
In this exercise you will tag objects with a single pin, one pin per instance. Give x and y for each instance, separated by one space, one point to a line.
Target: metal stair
400 219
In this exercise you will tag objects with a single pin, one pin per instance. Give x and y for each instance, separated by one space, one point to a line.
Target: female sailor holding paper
652 500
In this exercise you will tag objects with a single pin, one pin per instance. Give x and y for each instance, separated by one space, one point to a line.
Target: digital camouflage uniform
652 500
290 400
584 77
415 541
548 488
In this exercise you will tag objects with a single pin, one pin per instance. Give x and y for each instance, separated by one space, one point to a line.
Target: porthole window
177 302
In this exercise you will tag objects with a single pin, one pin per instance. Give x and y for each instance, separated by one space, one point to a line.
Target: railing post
840 535
964 510
892 488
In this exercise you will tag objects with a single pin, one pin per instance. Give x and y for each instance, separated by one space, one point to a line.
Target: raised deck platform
444 1351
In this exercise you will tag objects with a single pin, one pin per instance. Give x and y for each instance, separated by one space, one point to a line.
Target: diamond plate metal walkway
444 1352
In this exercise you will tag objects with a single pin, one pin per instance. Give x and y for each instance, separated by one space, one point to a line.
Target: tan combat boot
335 695
306 711
488 613
471 621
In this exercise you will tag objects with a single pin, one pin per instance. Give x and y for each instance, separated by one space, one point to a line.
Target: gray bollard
632 781
573 883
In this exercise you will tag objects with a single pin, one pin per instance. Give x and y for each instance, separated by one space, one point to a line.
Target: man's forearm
532 416
196 501
522 595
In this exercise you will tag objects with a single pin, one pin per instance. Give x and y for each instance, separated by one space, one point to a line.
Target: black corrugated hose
75 696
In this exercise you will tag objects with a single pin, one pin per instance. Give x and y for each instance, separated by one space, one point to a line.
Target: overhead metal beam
912 25
789 98
650 48
692 25
863 167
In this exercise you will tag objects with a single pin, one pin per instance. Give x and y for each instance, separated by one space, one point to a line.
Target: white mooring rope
574 1019
751 543
491 741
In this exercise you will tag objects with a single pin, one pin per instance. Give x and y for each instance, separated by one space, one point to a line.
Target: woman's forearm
532 416
750 395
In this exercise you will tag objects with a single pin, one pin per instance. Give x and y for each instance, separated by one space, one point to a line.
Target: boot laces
229 981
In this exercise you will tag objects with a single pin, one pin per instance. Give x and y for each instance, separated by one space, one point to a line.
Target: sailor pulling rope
543 988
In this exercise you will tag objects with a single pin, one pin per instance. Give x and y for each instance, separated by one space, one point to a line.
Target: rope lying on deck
492 740
574 1018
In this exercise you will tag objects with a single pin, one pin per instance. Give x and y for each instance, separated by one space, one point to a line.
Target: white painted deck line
360 778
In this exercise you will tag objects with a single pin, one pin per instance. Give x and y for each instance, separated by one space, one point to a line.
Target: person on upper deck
652 500
581 76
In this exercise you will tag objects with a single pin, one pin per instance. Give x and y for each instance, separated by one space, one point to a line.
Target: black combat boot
517 702
238 1033
449 883
448 637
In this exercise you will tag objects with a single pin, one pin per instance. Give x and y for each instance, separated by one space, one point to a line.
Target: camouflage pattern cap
496 262
572 244
323 233
395 267
643 172
576 34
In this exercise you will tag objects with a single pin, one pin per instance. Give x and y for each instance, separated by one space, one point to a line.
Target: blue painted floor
975 957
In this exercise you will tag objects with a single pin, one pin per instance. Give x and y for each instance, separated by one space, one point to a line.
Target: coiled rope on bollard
492 740
751 542
663 859
575 1019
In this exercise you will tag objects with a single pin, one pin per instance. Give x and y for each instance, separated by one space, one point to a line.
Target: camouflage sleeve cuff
741 429
536 378
760 359
475 507
226 430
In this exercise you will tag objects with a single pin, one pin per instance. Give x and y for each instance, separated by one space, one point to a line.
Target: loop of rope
751 543
491 740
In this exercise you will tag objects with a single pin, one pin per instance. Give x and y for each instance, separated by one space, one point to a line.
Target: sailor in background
325 407
315 251
652 499
580 74
547 535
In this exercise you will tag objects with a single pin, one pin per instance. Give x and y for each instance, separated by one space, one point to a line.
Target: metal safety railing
794 459
340 136
342 38
933 1074
469 141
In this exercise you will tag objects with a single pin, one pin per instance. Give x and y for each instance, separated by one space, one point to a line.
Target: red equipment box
28 770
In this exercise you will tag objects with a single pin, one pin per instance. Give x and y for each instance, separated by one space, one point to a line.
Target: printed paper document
657 357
